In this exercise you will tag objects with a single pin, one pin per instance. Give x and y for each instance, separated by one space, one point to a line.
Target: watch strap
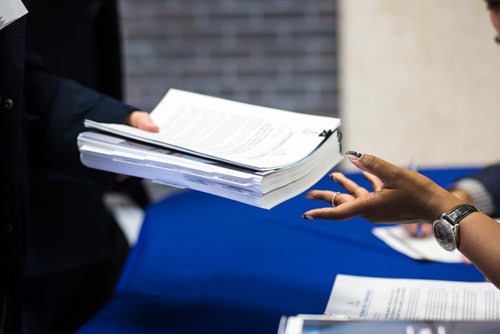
458 213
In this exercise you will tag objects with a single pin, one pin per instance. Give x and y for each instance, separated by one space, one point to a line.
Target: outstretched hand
398 194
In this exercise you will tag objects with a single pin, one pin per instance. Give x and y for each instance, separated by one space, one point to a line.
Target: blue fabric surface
204 264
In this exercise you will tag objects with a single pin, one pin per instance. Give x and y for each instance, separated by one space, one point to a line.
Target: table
204 264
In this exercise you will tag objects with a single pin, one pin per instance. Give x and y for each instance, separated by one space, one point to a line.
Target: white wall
420 79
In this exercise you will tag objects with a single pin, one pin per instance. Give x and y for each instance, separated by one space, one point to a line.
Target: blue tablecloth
204 264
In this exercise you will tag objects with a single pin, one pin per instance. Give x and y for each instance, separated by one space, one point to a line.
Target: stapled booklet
252 154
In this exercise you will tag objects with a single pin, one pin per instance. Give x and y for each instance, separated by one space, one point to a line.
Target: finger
376 166
421 229
321 195
343 198
326 196
145 122
426 230
343 211
142 120
411 229
349 185
377 184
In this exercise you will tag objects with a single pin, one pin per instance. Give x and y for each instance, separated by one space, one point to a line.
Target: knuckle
370 161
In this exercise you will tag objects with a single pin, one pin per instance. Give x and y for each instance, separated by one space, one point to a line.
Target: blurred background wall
420 79
410 79
277 53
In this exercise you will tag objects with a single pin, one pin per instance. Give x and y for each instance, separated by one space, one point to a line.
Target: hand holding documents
252 154
10 11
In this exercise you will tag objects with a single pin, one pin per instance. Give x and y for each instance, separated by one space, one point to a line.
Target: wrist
462 195
444 203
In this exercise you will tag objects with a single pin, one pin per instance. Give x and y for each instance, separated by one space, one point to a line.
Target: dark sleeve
55 111
490 178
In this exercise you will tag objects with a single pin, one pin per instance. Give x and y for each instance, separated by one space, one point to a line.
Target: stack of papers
251 154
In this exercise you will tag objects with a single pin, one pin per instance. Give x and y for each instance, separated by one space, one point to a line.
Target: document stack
252 154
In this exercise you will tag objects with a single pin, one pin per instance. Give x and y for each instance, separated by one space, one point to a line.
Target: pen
419 232
414 167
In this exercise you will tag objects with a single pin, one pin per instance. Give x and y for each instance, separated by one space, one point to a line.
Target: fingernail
307 217
332 176
353 155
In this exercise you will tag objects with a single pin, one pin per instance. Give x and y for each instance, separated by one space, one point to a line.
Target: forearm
480 243
479 238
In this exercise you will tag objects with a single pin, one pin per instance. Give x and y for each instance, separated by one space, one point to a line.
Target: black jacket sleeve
55 111
490 178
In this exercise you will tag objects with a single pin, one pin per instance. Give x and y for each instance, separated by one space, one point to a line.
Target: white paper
425 248
250 136
368 298
263 189
10 11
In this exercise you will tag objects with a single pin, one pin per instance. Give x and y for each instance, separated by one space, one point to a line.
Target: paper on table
369 298
10 11
417 248
250 136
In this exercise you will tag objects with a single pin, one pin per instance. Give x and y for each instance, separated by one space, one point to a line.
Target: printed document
249 136
10 11
369 298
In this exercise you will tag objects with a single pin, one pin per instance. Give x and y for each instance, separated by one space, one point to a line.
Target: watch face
444 234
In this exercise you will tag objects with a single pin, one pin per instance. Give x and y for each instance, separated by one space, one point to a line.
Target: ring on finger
333 198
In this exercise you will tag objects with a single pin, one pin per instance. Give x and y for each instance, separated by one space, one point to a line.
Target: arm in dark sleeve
489 177
56 109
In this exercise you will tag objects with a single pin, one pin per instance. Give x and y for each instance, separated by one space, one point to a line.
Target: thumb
142 120
146 123
376 166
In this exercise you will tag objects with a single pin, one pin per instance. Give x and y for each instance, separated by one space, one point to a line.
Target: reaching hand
141 120
398 194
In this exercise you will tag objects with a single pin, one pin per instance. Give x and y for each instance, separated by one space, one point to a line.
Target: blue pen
419 232
414 167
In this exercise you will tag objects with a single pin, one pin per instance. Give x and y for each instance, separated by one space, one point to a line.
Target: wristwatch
446 228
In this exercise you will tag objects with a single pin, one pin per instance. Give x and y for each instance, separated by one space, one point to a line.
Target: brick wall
277 53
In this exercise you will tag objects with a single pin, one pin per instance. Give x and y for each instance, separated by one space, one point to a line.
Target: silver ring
333 198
